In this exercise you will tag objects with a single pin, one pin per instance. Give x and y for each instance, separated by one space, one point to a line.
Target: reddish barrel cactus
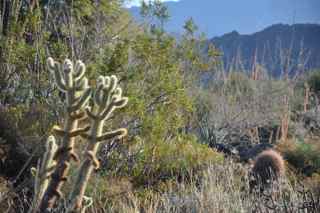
267 168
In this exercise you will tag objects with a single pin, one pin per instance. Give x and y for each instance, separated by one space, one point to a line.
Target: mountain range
248 32
280 49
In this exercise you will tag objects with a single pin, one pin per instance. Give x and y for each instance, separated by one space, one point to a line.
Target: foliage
173 159
314 81
239 84
234 108
156 12
303 155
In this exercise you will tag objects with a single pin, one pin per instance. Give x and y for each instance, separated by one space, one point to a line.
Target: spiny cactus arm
51 148
81 84
43 171
115 104
68 73
110 99
78 115
88 202
60 132
91 115
80 70
55 68
82 101
75 87
119 133
106 100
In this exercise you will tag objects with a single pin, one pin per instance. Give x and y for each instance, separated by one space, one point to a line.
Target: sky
217 17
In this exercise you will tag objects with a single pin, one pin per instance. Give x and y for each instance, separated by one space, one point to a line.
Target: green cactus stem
107 98
71 81
43 171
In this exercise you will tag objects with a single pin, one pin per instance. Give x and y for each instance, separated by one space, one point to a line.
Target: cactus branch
78 116
119 133
82 101
43 171
68 80
107 97
52 172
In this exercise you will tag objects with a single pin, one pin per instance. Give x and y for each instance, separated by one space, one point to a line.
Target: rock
226 149
242 152
252 152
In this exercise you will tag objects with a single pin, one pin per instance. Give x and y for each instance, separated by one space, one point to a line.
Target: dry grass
222 188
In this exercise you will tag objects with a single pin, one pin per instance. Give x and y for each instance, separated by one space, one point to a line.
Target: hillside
100 113
279 48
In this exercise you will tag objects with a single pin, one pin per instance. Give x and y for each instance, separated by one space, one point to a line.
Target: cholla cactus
107 98
71 81
53 171
268 167
43 171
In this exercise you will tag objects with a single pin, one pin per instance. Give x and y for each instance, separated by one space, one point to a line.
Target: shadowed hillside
279 48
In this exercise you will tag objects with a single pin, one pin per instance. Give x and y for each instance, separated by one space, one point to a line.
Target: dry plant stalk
255 74
306 97
254 134
285 120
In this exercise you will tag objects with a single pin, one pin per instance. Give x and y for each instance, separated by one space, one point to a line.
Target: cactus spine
107 98
71 81
43 171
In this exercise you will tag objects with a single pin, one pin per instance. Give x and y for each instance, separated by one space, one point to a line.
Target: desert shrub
14 152
313 182
303 155
310 80
33 119
239 84
297 100
223 116
155 163
314 81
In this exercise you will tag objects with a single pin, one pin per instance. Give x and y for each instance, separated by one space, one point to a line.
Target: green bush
239 84
314 81
156 163
303 155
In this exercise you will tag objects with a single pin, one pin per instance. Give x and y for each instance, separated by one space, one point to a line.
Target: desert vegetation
102 113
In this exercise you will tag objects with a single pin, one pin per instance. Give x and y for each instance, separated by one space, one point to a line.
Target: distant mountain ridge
279 48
